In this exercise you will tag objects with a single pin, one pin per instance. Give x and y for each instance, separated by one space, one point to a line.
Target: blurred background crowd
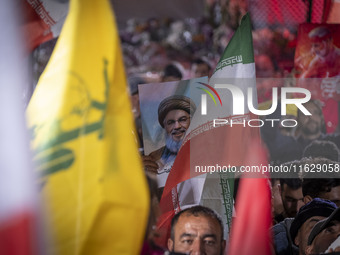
149 44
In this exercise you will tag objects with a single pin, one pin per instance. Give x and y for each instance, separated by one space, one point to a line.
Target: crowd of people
304 206
305 214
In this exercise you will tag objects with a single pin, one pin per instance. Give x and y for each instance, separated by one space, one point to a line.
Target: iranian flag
42 20
217 138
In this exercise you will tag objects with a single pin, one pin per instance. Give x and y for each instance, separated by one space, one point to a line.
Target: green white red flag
206 145
42 20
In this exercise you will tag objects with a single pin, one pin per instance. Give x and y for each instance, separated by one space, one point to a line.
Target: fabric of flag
43 20
250 233
80 118
238 67
18 199
206 145
237 60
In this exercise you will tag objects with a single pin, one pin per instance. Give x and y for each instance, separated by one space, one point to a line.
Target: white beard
172 145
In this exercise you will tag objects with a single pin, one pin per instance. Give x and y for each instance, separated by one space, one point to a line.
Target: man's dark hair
172 70
325 149
196 211
313 184
199 61
293 183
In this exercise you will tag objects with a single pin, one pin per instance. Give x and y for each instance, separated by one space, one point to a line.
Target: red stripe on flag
221 145
250 232
17 235
35 30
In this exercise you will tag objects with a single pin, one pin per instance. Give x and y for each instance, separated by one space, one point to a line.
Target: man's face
292 200
176 123
311 124
333 195
200 70
197 235
301 238
324 239
321 49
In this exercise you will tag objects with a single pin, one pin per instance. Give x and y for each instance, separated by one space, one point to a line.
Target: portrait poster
317 67
150 96
317 42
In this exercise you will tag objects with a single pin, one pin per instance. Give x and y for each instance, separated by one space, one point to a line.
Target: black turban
175 102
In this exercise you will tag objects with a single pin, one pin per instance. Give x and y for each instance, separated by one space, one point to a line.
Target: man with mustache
174 115
325 54
197 230
325 65
310 127
323 234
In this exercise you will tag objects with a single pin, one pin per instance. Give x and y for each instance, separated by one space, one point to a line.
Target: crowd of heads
305 204
311 201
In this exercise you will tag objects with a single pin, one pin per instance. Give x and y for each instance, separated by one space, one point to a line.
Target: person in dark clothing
324 185
171 73
325 149
291 195
323 237
290 236
284 148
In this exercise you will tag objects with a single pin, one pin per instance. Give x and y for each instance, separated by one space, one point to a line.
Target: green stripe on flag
238 50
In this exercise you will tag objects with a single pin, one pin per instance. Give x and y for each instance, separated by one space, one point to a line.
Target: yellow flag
80 116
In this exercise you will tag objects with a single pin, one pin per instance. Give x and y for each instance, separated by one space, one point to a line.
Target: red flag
250 232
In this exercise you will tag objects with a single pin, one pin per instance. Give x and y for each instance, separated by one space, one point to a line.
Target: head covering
320 34
316 207
175 102
322 224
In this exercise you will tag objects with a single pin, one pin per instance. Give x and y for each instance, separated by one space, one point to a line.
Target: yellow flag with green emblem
92 183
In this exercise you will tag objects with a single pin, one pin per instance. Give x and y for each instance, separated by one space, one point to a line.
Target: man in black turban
174 114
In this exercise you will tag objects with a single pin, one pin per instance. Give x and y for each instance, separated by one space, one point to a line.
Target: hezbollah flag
80 117
208 146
